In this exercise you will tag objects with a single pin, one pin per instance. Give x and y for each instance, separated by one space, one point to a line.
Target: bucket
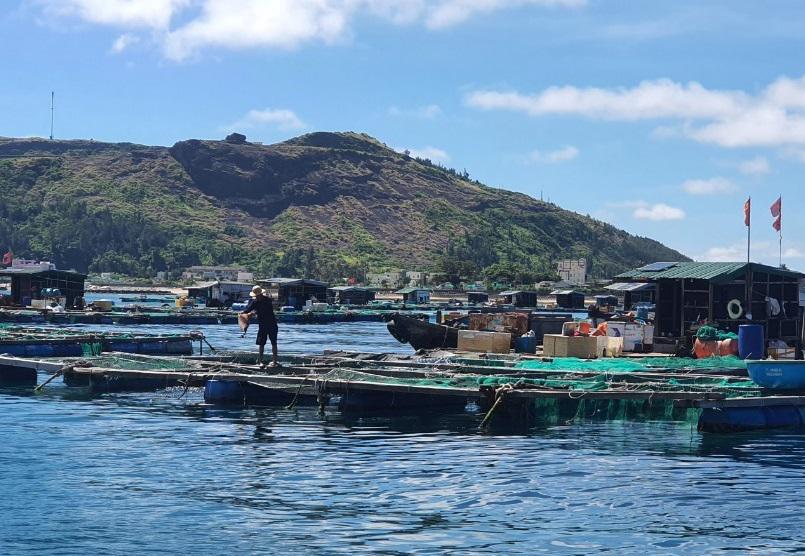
223 392
750 341
525 344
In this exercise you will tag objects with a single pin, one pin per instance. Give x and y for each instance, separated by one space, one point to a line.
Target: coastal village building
385 280
573 271
224 273
724 295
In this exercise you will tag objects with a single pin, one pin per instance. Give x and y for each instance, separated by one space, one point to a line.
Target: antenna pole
52 98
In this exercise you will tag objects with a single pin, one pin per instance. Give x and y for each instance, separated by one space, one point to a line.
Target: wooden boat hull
778 375
422 334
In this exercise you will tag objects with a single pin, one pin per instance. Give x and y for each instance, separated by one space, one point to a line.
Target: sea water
163 473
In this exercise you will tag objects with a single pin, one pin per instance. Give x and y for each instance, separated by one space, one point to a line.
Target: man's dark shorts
267 332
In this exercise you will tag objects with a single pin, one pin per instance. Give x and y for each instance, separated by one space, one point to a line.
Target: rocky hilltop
323 204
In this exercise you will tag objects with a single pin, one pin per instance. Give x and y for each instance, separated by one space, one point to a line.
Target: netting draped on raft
630 365
138 363
596 383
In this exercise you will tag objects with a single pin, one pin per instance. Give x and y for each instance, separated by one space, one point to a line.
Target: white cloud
446 13
240 24
427 112
123 42
431 153
755 166
154 14
730 118
553 157
761 251
712 186
281 119
658 212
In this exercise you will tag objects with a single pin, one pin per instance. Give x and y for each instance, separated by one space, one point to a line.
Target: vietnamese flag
747 211
777 213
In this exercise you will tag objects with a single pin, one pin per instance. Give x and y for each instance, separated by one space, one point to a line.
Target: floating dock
68 342
507 391
180 317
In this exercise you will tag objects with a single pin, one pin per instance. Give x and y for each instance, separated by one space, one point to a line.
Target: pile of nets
631 365
712 334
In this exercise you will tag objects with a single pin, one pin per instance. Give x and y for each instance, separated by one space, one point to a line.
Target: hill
323 204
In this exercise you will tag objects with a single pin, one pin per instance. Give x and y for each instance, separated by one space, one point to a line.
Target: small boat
787 374
422 334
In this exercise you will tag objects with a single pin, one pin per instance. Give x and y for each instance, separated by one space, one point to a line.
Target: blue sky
659 117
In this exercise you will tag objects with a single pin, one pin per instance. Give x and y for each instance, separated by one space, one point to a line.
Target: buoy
734 309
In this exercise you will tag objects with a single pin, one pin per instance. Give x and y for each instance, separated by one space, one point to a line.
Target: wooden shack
27 284
415 295
569 299
723 294
477 297
350 295
520 298
295 292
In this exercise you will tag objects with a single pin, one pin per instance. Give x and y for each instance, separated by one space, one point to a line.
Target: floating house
28 284
350 295
569 299
477 297
295 292
519 298
725 295
415 295
221 294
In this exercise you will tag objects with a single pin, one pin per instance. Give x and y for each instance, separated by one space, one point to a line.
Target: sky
661 118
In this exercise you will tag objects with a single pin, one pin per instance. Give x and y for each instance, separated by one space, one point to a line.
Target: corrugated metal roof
412 289
564 292
629 286
702 271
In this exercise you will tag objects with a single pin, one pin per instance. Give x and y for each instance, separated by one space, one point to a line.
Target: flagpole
749 230
780 231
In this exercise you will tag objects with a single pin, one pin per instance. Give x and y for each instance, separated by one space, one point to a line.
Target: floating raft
68 342
507 393
179 317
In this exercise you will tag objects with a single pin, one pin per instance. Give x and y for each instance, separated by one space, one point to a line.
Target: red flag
747 211
777 207
777 224
8 258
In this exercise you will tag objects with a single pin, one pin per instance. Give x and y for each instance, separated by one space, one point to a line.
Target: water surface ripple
156 474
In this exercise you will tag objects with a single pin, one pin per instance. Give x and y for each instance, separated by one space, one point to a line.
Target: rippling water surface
156 473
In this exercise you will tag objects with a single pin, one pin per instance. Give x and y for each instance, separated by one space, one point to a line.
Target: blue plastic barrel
223 392
525 344
750 341
642 312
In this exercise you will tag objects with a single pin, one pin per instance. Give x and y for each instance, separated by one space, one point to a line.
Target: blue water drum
750 341
642 312
525 344
223 392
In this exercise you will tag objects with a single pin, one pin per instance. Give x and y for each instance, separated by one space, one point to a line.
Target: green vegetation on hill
325 205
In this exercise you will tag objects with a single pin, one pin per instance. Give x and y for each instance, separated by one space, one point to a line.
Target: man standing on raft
267 323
